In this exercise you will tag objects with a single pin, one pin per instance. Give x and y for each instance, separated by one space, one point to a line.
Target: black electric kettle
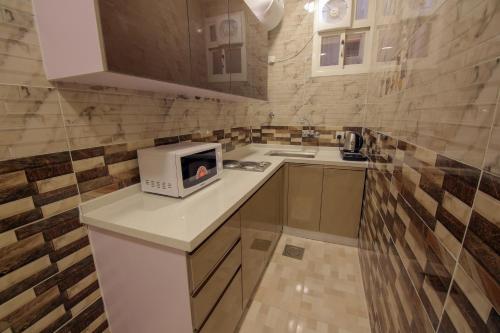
353 142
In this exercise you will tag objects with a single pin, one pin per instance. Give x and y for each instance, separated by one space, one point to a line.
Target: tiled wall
293 135
331 102
430 232
60 145
429 236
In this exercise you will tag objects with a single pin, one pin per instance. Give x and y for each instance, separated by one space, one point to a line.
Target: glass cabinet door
246 57
147 39
209 43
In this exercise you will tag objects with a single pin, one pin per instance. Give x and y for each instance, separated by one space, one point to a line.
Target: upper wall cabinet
209 48
209 44
228 48
146 38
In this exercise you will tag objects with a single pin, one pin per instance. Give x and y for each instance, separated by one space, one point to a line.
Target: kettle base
352 156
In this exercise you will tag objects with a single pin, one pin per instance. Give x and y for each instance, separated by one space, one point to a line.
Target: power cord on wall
297 53
292 56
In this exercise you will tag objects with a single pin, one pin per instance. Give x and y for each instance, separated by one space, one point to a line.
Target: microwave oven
180 169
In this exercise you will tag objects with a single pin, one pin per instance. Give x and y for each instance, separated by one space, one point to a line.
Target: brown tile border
417 173
38 255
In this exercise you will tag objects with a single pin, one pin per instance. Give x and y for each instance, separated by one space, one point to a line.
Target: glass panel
354 48
148 39
217 63
198 167
361 9
247 60
207 65
388 43
330 47
233 60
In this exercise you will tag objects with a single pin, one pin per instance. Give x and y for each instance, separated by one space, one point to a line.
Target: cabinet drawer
208 295
228 311
203 260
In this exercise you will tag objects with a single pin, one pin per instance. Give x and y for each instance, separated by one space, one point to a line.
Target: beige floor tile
323 292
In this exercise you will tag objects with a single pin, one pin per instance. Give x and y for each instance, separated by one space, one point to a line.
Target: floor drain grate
294 252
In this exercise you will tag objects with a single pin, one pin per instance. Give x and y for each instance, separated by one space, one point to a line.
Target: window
338 49
354 48
330 51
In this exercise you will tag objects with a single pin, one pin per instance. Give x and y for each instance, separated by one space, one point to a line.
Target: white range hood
269 12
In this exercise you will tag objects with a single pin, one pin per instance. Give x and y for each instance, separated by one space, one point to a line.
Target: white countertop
185 223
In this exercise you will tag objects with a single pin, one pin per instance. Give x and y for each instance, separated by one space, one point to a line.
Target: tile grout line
457 261
69 145
79 212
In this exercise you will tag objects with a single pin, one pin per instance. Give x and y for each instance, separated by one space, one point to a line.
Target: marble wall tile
492 159
64 143
293 94
445 98
30 122
20 56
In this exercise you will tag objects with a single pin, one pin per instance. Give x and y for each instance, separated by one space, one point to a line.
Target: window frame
341 68
365 25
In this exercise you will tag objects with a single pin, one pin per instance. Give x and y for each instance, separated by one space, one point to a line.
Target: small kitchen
249 166
215 244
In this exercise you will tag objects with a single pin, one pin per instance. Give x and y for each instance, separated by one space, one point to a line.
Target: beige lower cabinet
305 183
341 201
260 230
324 199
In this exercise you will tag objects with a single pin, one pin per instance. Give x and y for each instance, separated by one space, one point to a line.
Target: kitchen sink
293 153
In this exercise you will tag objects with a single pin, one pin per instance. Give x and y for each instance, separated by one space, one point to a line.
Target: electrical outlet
341 134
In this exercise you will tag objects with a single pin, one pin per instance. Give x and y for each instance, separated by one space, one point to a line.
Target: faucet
304 120
309 133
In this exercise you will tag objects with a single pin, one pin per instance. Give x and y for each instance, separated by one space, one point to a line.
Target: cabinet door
305 184
148 39
247 57
341 202
209 43
260 219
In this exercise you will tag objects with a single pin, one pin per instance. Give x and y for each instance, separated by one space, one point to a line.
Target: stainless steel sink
293 153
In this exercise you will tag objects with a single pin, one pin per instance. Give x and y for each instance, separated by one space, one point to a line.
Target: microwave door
198 167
